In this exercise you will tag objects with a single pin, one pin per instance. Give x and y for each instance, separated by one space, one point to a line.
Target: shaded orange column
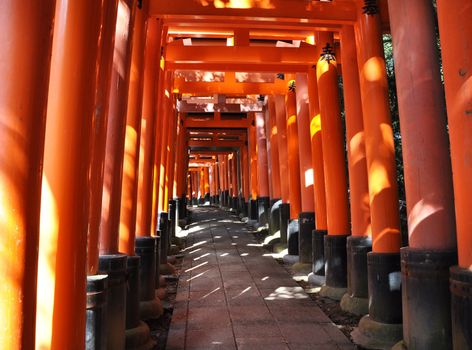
147 137
24 67
262 163
355 139
133 134
321 221
170 150
268 147
274 149
337 207
253 160
383 191
211 180
293 150
161 162
230 174
60 321
206 184
304 144
234 174
281 120
425 144
179 180
245 173
455 29
99 127
116 129
202 180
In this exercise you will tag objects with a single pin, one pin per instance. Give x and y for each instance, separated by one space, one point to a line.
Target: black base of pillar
306 221
253 209
382 328
132 292
384 281
145 247
172 217
234 203
461 307
95 332
292 237
335 266
163 228
206 198
318 252
274 220
263 210
157 253
226 199
115 267
355 300
284 221
426 298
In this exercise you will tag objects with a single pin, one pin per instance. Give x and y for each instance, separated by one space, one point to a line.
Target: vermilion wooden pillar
206 172
253 172
428 175
333 148
317 152
378 135
24 68
161 163
99 127
116 130
133 134
360 243
455 30
170 151
281 124
306 216
355 138
148 119
262 166
304 144
293 150
234 175
274 149
384 260
64 210
245 175
263 200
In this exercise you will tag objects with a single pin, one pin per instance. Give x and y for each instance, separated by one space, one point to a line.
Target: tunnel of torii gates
116 114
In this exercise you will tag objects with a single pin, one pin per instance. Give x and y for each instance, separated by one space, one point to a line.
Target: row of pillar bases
406 299
128 289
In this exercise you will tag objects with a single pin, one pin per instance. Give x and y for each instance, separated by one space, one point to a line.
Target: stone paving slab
233 295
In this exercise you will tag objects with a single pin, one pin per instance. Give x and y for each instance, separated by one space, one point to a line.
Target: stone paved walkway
233 295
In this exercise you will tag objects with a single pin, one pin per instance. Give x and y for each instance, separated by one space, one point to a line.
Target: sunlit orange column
378 135
252 208
133 134
99 127
234 175
360 243
206 173
274 149
116 129
306 216
147 137
170 151
60 321
356 153
455 30
262 165
281 124
161 162
293 149
245 176
384 260
333 148
24 68
428 175
317 152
